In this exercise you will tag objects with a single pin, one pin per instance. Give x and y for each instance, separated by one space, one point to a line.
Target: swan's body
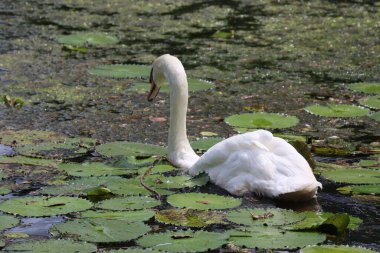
252 162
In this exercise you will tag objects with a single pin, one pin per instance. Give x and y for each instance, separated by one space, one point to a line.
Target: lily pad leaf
29 161
273 238
190 217
194 85
360 189
57 246
7 221
44 206
205 143
202 201
261 120
91 38
121 71
375 116
69 148
131 216
128 203
175 182
372 102
335 224
158 169
335 249
24 137
184 241
352 175
366 87
128 149
4 190
267 217
337 110
100 230
132 250
93 169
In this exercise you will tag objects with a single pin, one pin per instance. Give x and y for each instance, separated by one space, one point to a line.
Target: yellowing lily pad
261 120
44 206
337 110
202 201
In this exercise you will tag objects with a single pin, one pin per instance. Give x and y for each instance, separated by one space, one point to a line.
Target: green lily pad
184 241
273 238
16 235
4 190
375 116
128 203
267 217
131 216
100 230
91 38
335 249
132 250
175 182
360 189
205 143
190 217
56 246
352 175
133 186
7 221
24 137
261 120
194 85
366 87
313 220
369 163
3 175
93 169
337 110
202 201
372 102
29 161
158 169
69 148
44 206
121 71
129 149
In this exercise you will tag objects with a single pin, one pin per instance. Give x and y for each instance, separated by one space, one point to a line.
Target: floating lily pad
93 169
4 190
7 221
352 175
91 38
202 201
16 235
205 143
194 85
190 217
44 206
366 87
273 238
24 137
175 182
337 110
370 163
132 250
100 230
29 161
372 102
56 246
184 241
375 116
262 120
3 175
267 217
131 216
335 249
128 203
133 187
121 71
69 148
360 189
159 169
125 148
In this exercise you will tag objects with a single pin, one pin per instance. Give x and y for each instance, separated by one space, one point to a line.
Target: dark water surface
277 56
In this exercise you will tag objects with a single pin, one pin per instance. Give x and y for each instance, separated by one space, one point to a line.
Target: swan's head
165 67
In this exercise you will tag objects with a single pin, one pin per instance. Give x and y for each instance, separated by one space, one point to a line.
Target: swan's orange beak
154 89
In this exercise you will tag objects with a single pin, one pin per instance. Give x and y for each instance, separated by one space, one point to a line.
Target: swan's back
258 162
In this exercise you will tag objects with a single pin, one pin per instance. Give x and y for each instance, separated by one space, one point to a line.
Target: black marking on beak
154 89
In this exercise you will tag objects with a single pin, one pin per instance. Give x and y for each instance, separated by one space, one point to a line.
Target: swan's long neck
180 152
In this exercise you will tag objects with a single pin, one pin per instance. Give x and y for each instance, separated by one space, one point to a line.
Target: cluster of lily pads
126 197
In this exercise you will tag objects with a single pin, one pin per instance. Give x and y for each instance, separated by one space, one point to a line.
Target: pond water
272 56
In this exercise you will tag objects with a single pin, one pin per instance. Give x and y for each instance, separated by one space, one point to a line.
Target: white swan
251 162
